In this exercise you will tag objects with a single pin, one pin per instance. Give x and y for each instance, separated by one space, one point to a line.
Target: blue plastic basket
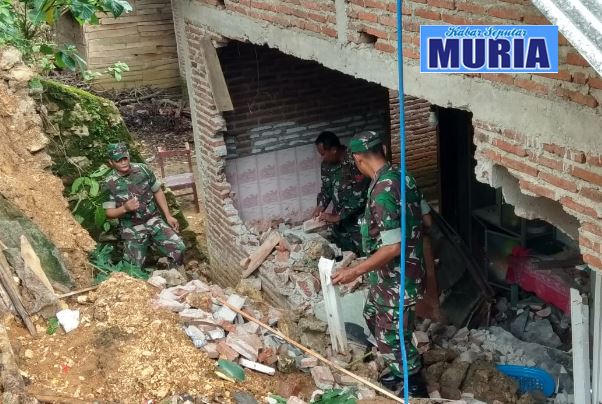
530 379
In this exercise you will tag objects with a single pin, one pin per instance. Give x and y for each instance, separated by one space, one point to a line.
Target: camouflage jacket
381 226
345 186
140 182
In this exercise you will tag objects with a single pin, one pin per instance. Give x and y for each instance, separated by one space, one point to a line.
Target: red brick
579 78
587 175
375 4
559 182
331 32
388 21
563 75
592 228
536 20
411 53
545 161
384 47
577 156
310 4
375 32
531 86
576 96
317 17
595 82
587 243
454 19
510 134
537 189
510 148
449 4
576 59
427 14
592 261
500 78
591 193
562 40
555 149
471 7
520 166
364 16
506 13
595 160
577 207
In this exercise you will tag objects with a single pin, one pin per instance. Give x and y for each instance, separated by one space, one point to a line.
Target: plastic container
530 379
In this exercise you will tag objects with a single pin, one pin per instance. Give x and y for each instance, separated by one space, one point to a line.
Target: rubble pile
458 362
224 334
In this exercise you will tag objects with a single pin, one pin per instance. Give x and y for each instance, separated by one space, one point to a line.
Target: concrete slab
352 308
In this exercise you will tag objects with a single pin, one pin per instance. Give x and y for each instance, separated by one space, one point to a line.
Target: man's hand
345 275
131 205
317 211
173 222
330 217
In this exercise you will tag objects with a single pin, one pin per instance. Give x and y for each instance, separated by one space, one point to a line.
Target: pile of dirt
126 350
24 176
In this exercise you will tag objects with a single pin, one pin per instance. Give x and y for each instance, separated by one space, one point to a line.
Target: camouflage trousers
383 323
156 232
346 235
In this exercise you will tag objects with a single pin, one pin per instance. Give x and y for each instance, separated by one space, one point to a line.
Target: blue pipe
402 176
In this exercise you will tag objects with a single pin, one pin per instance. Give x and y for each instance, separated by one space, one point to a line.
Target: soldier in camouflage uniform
381 238
134 194
345 187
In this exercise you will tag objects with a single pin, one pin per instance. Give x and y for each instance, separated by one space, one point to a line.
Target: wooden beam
8 283
262 253
597 339
332 305
580 337
217 82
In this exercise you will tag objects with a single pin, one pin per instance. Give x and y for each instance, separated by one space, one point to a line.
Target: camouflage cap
117 151
364 141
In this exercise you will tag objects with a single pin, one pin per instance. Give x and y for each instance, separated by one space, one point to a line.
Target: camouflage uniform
346 187
381 227
144 226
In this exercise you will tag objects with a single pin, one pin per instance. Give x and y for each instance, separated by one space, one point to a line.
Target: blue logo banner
488 49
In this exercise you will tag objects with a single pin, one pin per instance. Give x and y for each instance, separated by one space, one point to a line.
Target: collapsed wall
25 179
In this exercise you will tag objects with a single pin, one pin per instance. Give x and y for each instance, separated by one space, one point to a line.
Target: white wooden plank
597 328
332 305
580 334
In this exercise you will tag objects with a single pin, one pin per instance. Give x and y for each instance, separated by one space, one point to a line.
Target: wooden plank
332 305
597 339
217 82
262 253
8 283
580 339
31 259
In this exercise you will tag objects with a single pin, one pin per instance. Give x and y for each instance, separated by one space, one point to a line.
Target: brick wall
373 23
281 101
571 177
421 142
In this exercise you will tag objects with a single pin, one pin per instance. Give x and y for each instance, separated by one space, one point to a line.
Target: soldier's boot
417 387
391 381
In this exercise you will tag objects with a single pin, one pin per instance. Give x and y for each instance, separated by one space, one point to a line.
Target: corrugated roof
580 21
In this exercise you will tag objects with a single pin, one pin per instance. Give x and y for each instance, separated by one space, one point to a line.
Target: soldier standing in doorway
381 240
343 185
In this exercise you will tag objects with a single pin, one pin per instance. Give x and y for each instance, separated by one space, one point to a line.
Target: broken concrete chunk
274 316
314 225
172 277
157 281
312 324
322 377
250 283
452 377
198 337
248 328
225 352
364 393
308 362
244 345
211 350
196 314
225 314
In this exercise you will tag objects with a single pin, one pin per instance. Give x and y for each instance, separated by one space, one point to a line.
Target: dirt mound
24 176
126 350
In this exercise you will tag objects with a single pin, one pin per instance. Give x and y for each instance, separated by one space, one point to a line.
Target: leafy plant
101 260
87 198
27 25
53 325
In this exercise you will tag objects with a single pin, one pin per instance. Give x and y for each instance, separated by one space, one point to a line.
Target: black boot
417 388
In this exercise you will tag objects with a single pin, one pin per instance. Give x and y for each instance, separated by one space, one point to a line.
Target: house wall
143 38
526 123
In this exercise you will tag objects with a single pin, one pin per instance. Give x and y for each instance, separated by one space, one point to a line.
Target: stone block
224 313
211 350
225 352
323 377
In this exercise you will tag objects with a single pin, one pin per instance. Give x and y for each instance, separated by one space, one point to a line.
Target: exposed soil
126 350
26 182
